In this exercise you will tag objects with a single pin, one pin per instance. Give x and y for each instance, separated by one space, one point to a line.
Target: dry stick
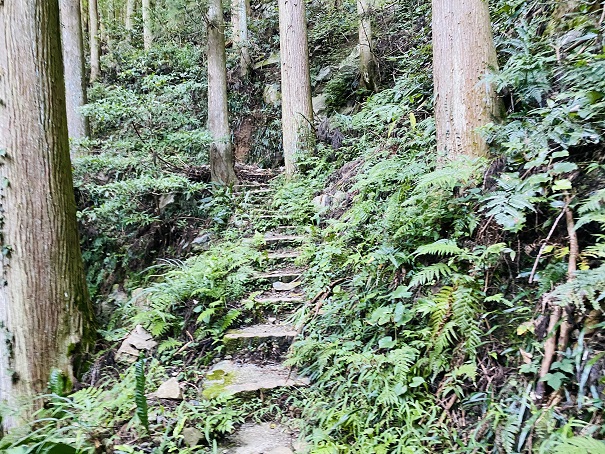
549 352
551 343
546 240
574 252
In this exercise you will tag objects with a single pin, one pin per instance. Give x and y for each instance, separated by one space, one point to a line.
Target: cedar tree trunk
73 59
221 150
297 110
45 312
463 53
95 51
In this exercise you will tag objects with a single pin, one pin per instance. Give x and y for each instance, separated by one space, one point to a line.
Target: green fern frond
580 445
139 395
434 272
440 248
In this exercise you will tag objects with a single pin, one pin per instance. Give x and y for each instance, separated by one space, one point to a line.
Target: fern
434 272
516 196
139 396
592 209
580 445
440 248
587 285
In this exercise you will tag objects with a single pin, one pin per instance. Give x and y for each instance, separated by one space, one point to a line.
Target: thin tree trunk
95 51
297 110
129 23
367 63
73 60
147 24
45 312
239 21
221 150
463 53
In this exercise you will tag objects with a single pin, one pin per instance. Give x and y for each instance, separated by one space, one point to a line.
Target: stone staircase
253 355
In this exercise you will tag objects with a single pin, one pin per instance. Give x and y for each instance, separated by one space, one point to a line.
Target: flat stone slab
283 255
284 276
229 378
255 335
265 438
286 286
276 299
282 238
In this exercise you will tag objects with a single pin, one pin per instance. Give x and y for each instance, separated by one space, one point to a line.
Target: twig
549 352
547 239
574 252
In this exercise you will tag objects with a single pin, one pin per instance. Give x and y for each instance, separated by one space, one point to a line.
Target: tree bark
147 24
95 51
463 53
297 110
73 60
239 22
45 312
129 23
221 150
367 63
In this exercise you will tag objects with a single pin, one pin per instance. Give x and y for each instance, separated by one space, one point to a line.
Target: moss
218 381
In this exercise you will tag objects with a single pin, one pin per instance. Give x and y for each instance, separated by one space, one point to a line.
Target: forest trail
253 356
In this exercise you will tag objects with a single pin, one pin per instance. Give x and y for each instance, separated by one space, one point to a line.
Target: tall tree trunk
45 312
297 110
367 63
147 24
221 150
130 9
463 53
239 21
95 51
73 60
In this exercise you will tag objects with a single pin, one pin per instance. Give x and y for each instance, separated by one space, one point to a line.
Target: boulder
170 389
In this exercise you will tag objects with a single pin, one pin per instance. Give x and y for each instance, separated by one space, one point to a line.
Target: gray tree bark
297 109
129 22
45 312
73 60
239 21
147 24
221 150
463 53
367 62
95 48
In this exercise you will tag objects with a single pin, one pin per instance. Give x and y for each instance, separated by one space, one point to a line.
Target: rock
136 342
272 95
170 389
285 287
255 335
138 298
192 436
320 104
229 378
165 200
265 438
202 238
324 73
338 198
322 201
280 450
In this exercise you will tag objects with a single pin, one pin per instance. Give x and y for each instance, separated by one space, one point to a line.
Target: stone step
285 276
277 299
263 438
283 255
280 286
281 336
229 378
272 238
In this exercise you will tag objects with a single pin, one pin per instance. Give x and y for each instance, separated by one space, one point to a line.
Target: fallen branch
547 239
